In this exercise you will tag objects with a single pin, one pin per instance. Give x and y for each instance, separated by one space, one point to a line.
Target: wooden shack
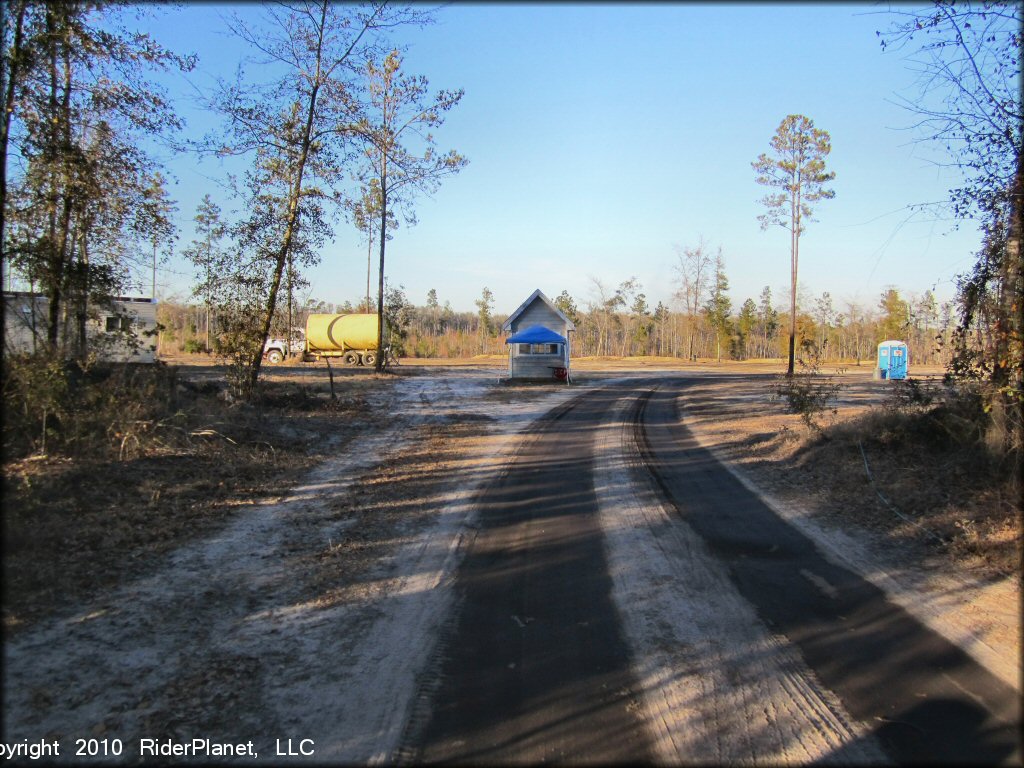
539 341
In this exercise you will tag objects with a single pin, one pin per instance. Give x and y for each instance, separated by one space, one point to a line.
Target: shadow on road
925 698
536 668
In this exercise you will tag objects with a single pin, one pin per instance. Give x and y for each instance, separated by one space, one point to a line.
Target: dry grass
945 494
77 523
929 474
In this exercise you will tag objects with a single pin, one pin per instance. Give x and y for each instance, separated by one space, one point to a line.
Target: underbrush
59 409
933 472
808 392
107 467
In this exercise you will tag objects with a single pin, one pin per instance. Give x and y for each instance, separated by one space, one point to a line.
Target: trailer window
538 349
118 323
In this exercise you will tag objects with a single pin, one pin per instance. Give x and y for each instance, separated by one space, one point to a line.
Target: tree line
621 322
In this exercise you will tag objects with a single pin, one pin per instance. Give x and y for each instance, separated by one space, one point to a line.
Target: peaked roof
536 334
538 294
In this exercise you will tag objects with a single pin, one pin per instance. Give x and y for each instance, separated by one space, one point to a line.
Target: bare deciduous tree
693 271
969 58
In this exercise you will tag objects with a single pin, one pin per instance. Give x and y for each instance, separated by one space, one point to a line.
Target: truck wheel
350 358
369 358
275 356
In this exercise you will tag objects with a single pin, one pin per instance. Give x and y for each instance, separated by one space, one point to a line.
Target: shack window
538 349
118 323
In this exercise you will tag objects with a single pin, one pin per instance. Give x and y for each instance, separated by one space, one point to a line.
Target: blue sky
601 136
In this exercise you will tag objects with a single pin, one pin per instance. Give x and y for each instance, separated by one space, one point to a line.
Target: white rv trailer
123 331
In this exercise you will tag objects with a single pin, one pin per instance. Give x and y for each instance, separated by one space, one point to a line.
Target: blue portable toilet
893 359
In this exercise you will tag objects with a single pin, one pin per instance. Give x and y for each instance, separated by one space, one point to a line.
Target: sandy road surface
229 640
550 659
719 687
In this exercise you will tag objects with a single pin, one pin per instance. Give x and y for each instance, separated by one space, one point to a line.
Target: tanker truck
353 338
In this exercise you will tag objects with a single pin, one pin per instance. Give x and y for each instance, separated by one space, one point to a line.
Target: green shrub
808 392
424 348
35 400
194 346
52 407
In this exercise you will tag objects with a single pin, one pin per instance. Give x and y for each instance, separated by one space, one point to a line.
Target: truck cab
276 349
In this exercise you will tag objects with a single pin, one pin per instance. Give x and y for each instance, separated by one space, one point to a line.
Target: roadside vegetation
913 463
931 467
933 463
808 391
132 461
937 470
953 457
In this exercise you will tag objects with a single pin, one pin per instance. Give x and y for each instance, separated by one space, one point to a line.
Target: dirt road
474 584
537 668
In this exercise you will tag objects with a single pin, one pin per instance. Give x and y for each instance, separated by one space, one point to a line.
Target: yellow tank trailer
353 338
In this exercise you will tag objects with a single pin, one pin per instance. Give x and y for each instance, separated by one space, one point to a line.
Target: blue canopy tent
541 335
536 334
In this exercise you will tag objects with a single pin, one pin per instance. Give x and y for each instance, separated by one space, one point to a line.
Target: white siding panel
535 366
538 313
19 320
